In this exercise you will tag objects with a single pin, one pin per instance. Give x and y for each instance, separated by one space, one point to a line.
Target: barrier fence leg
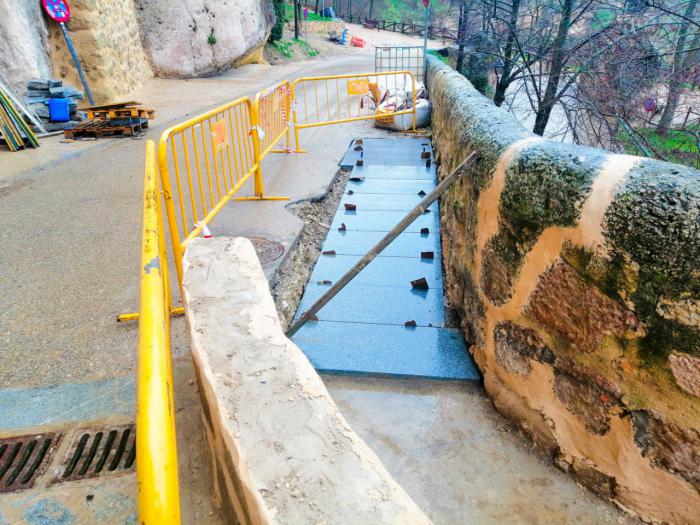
259 188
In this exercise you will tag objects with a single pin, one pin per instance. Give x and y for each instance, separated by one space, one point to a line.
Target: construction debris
123 119
54 104
350 207
420 284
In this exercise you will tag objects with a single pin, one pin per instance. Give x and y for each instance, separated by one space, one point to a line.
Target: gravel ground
317 214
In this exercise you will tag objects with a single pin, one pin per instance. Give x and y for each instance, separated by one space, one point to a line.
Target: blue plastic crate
59 110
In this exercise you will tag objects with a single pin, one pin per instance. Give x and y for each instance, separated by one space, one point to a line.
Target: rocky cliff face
577 273
24 52
122 43
200 37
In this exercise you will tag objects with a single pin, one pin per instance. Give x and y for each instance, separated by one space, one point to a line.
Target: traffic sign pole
77 65
59 11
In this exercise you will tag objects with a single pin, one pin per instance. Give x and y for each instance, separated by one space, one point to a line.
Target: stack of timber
123 119
14 131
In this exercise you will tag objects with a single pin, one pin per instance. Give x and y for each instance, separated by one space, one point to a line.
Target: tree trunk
371 9
462 33
544 109
680 65
316 8
504 79
296 18
349 5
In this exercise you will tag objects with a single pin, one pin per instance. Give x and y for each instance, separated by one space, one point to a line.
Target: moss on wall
581 269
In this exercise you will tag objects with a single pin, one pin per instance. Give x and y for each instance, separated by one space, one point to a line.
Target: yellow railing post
255 130
156 447
297 144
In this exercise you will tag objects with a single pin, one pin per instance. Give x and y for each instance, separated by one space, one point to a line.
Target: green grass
602 18
439 57
310 51
284 47
675 146
312 16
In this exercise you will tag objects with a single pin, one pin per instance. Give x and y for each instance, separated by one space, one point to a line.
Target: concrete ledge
281 451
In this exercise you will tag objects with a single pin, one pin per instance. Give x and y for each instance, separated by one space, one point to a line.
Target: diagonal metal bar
411 216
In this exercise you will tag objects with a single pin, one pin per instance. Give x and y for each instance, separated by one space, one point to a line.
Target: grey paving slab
382 221
362 329
386 350
407 187
360 303
388 202
402 151
386 271
417 172
359 243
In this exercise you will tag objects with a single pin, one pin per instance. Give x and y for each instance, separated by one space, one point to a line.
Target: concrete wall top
281 450
577 272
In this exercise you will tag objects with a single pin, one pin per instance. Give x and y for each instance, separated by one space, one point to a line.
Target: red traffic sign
650 105
58 10
426 3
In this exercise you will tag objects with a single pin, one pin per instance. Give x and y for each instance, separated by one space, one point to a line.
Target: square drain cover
24 458
99 452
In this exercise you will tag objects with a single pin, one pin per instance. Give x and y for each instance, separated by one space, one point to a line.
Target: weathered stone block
590 396
686 371
668 446
570 307
516 346
281 450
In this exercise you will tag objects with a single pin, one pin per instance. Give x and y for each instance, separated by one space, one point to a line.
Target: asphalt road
70 229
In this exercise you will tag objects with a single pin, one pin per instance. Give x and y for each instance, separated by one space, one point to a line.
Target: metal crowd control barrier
400 58
156 450
335 99
210 158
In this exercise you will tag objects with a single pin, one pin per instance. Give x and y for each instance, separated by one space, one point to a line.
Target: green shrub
281 18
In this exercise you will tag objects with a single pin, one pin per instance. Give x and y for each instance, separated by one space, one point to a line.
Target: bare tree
680 66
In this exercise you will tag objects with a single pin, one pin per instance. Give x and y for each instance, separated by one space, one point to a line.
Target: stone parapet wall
577 275
281 451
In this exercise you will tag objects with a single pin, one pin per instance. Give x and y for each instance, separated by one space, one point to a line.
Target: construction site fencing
273 108
400 58
204 163
156 451
335 99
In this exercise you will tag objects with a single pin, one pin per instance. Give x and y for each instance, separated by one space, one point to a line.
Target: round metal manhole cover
267 250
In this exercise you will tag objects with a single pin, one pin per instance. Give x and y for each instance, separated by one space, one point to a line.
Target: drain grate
24 458
267 250
99 452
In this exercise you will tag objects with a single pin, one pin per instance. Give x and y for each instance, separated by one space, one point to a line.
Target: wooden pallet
103 128
121 113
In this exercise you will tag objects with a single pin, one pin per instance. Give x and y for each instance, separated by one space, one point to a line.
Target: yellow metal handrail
211 157
156 451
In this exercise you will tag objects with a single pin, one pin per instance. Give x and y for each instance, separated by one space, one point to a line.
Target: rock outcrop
24 52
201 37
123 43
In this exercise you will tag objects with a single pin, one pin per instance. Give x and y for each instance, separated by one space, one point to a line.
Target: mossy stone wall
577 275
